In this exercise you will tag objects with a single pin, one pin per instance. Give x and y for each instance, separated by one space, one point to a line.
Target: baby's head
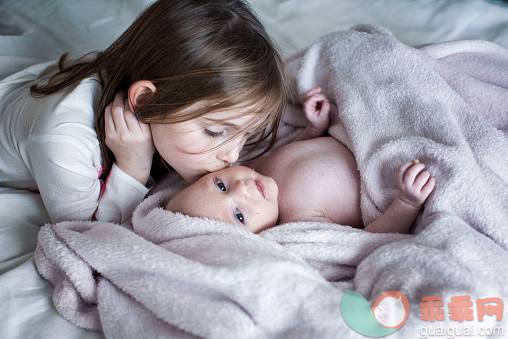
237 195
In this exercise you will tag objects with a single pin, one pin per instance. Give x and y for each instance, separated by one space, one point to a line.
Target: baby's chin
264 228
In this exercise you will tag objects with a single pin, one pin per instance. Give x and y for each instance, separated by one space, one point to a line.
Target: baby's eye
239 216
220 185
213 134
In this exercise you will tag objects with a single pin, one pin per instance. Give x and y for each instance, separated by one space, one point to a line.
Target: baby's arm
414 188
317 109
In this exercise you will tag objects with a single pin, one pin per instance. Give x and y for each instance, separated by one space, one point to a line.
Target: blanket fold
205 279
180 276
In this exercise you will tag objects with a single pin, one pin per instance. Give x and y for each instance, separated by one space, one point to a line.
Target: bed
53 27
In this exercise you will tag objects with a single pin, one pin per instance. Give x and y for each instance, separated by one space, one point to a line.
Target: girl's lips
261 188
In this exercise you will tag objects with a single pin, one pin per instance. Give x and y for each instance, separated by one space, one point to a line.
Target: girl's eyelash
212 133
239 216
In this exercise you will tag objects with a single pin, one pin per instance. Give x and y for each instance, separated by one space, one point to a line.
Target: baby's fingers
315 102
325 106
311 92
412 172
402 169
422 179
428 187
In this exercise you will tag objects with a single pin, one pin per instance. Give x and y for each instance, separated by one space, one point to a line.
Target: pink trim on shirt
103 189
107 179
104 184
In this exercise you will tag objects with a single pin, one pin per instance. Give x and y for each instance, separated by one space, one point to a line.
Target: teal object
357 313
500 2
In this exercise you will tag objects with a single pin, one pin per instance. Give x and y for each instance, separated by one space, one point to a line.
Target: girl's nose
232 153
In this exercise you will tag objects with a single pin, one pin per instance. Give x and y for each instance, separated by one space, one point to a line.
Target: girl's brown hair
192 50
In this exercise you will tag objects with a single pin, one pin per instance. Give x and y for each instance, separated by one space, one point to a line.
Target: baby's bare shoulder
320 182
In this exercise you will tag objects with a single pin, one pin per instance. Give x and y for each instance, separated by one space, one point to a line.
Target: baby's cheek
273 214
266 217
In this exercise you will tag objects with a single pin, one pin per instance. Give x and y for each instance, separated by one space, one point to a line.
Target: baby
313 178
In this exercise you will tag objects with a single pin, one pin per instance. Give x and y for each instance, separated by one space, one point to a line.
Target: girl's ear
139 92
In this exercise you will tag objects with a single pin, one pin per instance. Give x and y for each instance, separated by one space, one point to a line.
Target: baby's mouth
261 188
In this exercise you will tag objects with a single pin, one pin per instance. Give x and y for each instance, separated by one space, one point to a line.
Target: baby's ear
139 92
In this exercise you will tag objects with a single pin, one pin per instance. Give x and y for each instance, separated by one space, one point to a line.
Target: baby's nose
244 188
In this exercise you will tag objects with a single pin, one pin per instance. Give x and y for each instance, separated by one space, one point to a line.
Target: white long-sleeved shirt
49 144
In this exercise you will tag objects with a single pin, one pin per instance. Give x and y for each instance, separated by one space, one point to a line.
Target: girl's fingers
412 172
130 118
118 101
145 128
118 112
131 121
109 125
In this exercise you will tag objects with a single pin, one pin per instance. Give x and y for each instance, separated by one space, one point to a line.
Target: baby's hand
414 187
317 109
129 139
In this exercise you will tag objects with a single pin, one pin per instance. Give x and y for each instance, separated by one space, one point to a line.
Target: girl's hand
129 139
414 187
317 109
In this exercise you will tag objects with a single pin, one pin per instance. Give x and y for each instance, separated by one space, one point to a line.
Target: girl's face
237 195
186 146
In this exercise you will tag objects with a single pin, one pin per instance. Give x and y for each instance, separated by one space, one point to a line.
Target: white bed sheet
37 30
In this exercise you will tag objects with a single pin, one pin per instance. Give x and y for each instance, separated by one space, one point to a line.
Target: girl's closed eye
212 133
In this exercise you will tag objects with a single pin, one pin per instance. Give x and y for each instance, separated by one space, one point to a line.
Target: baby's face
237 195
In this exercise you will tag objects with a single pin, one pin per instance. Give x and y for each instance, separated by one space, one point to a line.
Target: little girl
191 80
